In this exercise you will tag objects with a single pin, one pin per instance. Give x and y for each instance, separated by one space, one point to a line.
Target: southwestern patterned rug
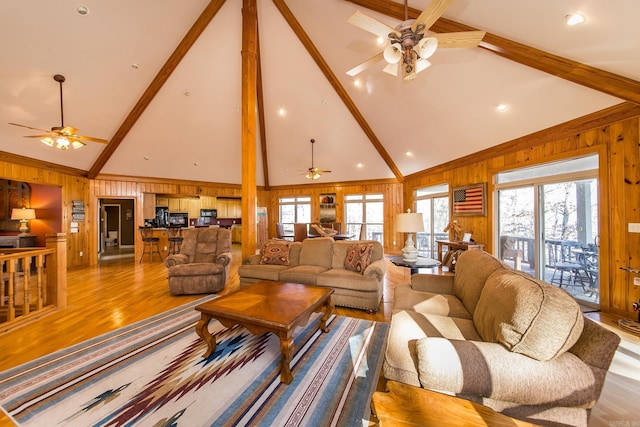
152 373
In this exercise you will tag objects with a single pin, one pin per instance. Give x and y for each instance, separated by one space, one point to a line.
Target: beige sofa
501 338
321 261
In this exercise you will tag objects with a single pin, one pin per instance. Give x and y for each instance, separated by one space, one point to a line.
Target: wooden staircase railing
34 281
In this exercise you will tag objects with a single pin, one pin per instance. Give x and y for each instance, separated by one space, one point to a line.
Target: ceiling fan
313 172
410 42
62 136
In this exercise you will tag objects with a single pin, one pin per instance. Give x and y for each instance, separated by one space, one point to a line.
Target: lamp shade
410 222
23 213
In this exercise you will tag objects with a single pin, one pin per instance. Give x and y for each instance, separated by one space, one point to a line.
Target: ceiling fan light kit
313 172
410 46
62 137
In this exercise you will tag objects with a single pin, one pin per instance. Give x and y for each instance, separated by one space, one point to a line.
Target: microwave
208 213
178 219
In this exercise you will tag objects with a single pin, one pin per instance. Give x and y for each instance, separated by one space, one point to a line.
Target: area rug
152 373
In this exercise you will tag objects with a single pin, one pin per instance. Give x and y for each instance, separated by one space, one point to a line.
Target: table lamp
409 223
24 215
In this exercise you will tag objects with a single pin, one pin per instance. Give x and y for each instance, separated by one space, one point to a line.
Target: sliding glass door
547 224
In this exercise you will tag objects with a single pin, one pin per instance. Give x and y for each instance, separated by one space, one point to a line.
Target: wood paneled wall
613 135
391 190
618 146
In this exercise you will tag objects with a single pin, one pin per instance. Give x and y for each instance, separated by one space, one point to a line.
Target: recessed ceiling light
575 19
357 83
360 165
502 107
147 158
135 65
195 163
282 112
82 10
187 93
409 154
380 40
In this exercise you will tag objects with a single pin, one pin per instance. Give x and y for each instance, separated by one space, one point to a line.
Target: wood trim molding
167 69
576 72
340 90
41 164
387 181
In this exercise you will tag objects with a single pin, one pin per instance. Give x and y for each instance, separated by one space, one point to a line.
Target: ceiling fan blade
391 69
431 14
28 127
460 39
89 138
323 171
41 136
370 24
366 64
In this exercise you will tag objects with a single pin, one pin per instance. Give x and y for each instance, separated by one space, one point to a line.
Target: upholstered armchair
202 266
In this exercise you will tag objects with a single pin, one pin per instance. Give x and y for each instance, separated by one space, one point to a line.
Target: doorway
116 232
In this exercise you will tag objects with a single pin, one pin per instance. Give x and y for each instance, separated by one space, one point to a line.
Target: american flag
468 200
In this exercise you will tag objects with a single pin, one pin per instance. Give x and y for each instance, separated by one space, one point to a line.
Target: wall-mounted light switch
636 281
634 227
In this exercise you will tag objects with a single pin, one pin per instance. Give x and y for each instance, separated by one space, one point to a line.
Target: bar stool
174 236
148 243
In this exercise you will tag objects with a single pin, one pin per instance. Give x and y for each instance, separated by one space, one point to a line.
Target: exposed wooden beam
261 120
248 125
585 75
41 164
340 90
167 69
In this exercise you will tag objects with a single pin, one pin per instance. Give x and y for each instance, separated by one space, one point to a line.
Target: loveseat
354 269
499 337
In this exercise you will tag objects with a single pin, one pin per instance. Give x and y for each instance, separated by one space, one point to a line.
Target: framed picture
327 208
470 200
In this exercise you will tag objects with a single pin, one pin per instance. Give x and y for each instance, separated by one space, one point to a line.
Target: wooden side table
465 246
405 405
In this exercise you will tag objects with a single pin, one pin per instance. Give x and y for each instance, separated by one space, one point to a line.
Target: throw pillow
275 252
358 257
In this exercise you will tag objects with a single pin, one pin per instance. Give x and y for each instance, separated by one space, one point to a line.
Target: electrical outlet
394 243
165 248
81 253
634 227
636 281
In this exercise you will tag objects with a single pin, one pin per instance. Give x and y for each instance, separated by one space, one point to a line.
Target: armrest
252 259
490 370
224 258
433 283
376 269
176 259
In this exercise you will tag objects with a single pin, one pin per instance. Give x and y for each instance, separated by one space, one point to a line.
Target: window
433 203
548 224
365 212
293 210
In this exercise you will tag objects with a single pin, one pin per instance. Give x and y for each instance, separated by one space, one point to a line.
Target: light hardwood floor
121 291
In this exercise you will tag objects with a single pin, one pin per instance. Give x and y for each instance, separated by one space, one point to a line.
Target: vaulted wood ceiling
161 81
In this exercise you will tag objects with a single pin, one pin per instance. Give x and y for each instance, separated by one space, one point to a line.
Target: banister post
57 270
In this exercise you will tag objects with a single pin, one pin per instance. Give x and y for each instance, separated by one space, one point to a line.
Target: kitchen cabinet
208 202
148 205
179 205
229 208
162 201
194 208
236 234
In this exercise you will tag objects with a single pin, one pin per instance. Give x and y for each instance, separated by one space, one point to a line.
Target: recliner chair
202 266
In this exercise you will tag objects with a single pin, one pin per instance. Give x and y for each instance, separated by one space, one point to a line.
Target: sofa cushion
527 316
407 298
358 257
275 252
261 271
472 269
317 251
305 274
406 328
346 279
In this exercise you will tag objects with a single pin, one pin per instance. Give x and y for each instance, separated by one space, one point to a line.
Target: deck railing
33 281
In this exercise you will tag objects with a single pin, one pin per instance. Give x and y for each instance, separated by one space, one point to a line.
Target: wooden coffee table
405 405
266 306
